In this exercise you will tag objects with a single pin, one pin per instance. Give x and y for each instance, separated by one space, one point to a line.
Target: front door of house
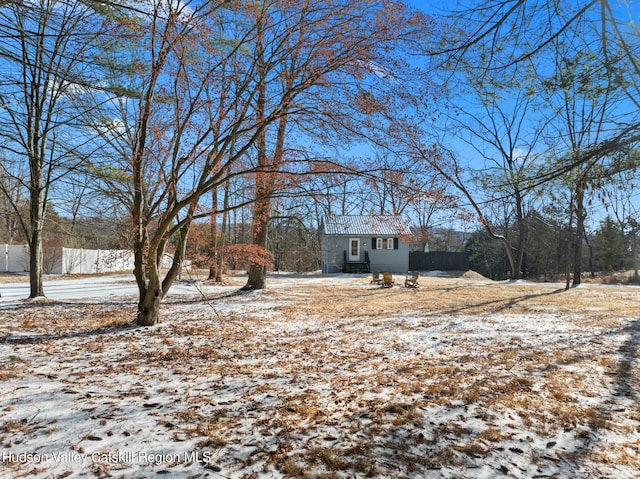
354 249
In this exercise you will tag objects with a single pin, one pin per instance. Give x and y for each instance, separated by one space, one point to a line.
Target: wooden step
356 267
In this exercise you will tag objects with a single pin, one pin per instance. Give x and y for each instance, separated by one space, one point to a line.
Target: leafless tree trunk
44 47
213 261
579 233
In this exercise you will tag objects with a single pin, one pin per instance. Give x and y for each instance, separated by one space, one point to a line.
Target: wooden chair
376 278
387 280
412 280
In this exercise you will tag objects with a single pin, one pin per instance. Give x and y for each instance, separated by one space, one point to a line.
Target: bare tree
502 31
496 120
13 205
586 98
620 198
164 149
44 50
335 53
197 100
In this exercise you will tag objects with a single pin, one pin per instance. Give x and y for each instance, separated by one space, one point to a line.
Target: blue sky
626 12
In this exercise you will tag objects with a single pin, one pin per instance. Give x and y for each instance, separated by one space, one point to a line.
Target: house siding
390 260
387 260
333 248
337 230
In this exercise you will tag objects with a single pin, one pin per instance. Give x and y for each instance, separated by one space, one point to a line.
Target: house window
384 243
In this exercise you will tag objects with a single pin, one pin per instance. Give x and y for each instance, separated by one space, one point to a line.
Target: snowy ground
322 377
107 286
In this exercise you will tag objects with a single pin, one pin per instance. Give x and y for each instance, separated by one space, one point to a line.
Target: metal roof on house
365 225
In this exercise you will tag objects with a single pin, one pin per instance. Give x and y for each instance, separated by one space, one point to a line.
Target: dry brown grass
346 393
24 277
13 278
439 296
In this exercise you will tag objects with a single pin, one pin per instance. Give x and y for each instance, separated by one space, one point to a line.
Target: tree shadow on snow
628 355
623 393
501 304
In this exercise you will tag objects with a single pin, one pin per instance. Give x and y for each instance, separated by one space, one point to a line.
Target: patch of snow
229 386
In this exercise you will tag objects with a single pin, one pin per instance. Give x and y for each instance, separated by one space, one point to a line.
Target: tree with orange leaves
210 92
181 129
335 52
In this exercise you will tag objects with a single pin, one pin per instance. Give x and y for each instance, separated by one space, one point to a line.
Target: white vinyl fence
59 260
16 258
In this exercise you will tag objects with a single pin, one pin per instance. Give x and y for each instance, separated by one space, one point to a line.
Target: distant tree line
611 248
